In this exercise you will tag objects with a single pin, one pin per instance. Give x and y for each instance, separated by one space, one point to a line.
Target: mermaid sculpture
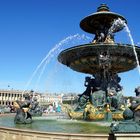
22 110
26 109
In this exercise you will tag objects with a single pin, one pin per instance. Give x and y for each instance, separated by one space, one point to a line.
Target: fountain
102 101
103 59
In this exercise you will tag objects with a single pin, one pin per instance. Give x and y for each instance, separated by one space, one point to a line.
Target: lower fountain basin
57 125
52 129
85 58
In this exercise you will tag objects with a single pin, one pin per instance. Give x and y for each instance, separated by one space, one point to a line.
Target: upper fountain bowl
85 58
100 19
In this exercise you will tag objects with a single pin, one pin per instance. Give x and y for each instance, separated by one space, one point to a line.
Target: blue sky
29 29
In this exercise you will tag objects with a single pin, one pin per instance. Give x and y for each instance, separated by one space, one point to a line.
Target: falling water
119 24
55 50
134 49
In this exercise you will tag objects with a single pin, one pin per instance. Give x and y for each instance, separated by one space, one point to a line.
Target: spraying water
134 49
55 53
118 24
55 50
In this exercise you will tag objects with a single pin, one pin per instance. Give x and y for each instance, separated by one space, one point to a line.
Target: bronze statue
135 105
22 110
26 109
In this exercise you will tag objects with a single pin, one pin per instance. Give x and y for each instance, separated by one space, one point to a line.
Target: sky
32 30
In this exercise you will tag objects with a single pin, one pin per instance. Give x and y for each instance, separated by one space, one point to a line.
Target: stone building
7 97
50 98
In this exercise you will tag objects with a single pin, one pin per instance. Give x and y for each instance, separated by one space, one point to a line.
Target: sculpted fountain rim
98 44
85 58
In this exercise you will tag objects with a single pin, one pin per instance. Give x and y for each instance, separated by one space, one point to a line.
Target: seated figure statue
115 98
22 110
84 97
98 98
35 109
112 98
114 92
135 105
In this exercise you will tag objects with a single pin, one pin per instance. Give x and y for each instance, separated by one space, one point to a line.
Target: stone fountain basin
85 58
50 129
54 124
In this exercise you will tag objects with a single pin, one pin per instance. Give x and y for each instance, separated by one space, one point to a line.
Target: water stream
50 55
117 24
133 45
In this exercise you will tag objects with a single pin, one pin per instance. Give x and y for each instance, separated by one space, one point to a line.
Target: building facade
7 97
51 98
